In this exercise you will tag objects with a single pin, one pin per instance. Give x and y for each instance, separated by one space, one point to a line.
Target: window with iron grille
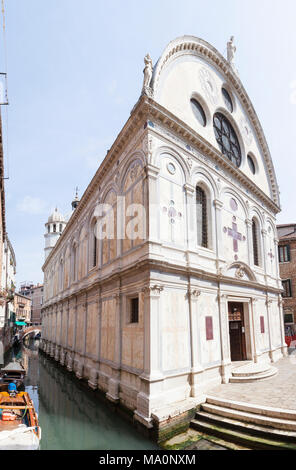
287 288
134 310
227 139
201 215
288 318
284 254
255 242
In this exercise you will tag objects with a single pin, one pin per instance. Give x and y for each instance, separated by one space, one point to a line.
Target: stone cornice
161 266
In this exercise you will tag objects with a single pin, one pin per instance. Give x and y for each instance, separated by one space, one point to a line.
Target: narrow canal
71 416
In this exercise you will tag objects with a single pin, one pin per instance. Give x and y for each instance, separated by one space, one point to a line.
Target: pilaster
152 355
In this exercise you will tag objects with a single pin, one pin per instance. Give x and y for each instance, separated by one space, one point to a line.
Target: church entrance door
237 331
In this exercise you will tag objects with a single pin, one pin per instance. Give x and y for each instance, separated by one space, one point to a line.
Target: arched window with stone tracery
201 217
255 240
93 245
74 262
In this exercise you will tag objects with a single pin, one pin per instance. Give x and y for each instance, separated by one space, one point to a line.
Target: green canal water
71 416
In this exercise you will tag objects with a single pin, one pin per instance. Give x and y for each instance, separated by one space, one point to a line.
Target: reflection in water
71 416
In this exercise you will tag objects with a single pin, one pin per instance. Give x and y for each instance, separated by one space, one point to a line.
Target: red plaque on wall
209 328
262 324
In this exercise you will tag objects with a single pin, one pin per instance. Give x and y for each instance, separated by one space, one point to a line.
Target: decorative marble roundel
246 131
233 204
208 85
171 168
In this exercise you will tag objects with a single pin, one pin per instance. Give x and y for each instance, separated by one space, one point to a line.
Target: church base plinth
176 421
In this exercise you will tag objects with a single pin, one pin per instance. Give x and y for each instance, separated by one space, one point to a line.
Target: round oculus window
171 168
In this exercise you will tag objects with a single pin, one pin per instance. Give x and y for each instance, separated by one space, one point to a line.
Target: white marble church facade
156 322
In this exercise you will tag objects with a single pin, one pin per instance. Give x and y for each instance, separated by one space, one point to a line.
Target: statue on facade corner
231 50
147 74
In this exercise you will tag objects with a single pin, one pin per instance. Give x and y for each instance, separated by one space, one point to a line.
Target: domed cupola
56 216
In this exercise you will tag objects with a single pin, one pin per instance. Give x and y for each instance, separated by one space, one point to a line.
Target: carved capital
155 289
189 189
152 171
194 293
218 204
248 223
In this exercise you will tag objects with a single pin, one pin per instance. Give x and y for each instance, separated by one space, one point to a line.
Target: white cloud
32 205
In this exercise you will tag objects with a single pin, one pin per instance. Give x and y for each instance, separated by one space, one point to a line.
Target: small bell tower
76 200
54 228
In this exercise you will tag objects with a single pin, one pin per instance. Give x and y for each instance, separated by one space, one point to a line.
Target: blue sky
75 72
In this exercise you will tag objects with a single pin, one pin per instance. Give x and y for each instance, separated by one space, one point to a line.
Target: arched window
201 217
198 112
93 245
255 242
54 227
251 164
227 100
74 262
61 276
227 139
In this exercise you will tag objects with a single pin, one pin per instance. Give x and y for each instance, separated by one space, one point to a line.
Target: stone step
254 377
250 369
240 437
280 413
252 429
278 423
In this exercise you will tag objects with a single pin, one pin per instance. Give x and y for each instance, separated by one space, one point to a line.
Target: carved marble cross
232 232
172 212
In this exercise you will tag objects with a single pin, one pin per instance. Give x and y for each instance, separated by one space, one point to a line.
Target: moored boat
12 372
19 429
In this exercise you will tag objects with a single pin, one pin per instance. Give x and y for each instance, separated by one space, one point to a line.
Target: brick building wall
287 263
35 293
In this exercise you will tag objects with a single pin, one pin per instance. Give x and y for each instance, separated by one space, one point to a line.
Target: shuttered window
287 288
284 254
